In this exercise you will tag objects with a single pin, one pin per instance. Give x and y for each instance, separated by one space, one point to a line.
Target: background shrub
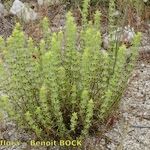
65 85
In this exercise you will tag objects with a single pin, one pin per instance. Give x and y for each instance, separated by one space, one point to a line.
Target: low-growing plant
64 85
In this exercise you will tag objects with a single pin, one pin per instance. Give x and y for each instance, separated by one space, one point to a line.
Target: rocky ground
130 132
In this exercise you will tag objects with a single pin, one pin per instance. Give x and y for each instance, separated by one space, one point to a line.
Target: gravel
131 132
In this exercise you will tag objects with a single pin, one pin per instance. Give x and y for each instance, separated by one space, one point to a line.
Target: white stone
145 1
28 14
48 2
40 2
17 7
22 11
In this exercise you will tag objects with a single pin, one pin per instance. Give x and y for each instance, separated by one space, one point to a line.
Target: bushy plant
64 85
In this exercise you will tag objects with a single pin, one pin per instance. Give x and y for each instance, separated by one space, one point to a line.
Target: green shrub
61 87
